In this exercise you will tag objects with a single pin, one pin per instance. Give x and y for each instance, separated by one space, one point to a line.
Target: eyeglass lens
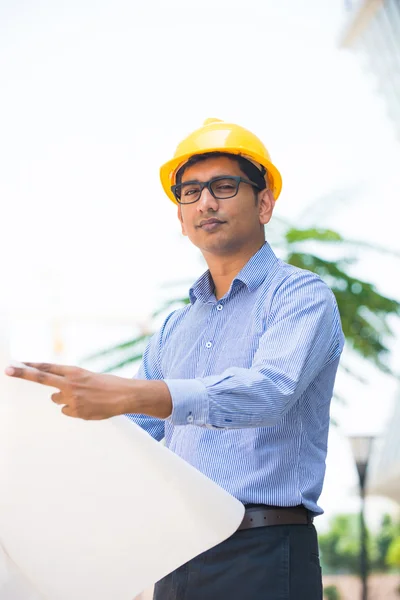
220 188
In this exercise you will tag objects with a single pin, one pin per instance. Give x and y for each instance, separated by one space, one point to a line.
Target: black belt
264 516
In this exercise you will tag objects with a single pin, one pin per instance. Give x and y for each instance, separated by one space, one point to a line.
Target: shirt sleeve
150 369
303 334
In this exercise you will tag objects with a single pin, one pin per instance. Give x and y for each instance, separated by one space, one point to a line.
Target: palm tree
365 313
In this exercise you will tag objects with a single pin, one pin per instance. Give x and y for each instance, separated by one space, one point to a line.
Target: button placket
208 339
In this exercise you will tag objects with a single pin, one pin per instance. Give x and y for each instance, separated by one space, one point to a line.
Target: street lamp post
361 446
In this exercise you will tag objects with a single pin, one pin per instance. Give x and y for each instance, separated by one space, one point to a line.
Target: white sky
94 98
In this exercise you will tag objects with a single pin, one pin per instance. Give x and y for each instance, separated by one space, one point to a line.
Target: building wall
384 470
373 31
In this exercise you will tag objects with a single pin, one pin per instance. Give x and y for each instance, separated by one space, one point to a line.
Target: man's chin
220 248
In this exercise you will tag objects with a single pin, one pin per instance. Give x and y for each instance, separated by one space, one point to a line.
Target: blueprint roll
96 509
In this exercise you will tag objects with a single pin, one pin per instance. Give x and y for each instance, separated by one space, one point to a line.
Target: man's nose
206 201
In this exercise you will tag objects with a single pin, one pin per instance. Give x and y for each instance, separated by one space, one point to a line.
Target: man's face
238 221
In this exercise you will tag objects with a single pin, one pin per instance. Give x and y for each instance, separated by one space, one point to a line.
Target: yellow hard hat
219 136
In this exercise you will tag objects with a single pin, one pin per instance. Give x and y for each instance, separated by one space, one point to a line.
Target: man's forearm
149 398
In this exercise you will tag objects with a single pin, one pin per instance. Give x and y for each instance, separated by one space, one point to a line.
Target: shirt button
208 345
190 419
220 307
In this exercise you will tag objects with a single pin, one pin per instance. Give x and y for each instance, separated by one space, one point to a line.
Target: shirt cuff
189 402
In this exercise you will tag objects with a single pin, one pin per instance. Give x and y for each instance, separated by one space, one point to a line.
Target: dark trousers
266 563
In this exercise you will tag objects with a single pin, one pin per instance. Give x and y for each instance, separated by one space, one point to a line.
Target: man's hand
83 394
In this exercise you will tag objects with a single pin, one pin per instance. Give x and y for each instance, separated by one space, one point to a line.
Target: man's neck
223 269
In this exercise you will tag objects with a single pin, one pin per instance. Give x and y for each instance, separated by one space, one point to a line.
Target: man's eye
190 191
225 186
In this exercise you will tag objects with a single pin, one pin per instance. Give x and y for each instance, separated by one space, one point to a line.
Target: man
239 382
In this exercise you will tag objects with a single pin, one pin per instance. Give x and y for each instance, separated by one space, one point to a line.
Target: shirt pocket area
239 351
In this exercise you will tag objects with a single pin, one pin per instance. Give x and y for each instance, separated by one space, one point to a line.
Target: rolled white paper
98 510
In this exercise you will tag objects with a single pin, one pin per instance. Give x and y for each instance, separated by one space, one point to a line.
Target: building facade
384 469
372 29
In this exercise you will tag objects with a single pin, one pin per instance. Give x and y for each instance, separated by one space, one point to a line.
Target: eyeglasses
219 187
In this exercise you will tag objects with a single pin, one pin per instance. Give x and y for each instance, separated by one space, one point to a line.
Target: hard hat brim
170 168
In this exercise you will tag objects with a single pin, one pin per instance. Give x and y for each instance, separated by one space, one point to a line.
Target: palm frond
123 363
132 343
175 301
365 313
349 371
294 235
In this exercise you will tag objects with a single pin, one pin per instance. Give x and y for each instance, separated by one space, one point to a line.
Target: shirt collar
252 275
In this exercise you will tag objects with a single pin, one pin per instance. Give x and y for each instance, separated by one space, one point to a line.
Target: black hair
246 166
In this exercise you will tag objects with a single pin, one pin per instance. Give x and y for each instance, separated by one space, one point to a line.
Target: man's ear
266 205
181 220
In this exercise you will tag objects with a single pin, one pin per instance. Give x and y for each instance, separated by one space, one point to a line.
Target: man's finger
62 370
67 410
58 398
32 374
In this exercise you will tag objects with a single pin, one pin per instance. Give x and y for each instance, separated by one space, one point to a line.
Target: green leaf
364 312
393 554
294 235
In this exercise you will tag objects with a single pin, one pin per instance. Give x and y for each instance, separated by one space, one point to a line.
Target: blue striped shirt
251 379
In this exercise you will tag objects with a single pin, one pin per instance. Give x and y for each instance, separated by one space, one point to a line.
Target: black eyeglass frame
207 184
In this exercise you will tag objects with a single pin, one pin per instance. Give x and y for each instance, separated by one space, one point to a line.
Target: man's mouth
210 224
